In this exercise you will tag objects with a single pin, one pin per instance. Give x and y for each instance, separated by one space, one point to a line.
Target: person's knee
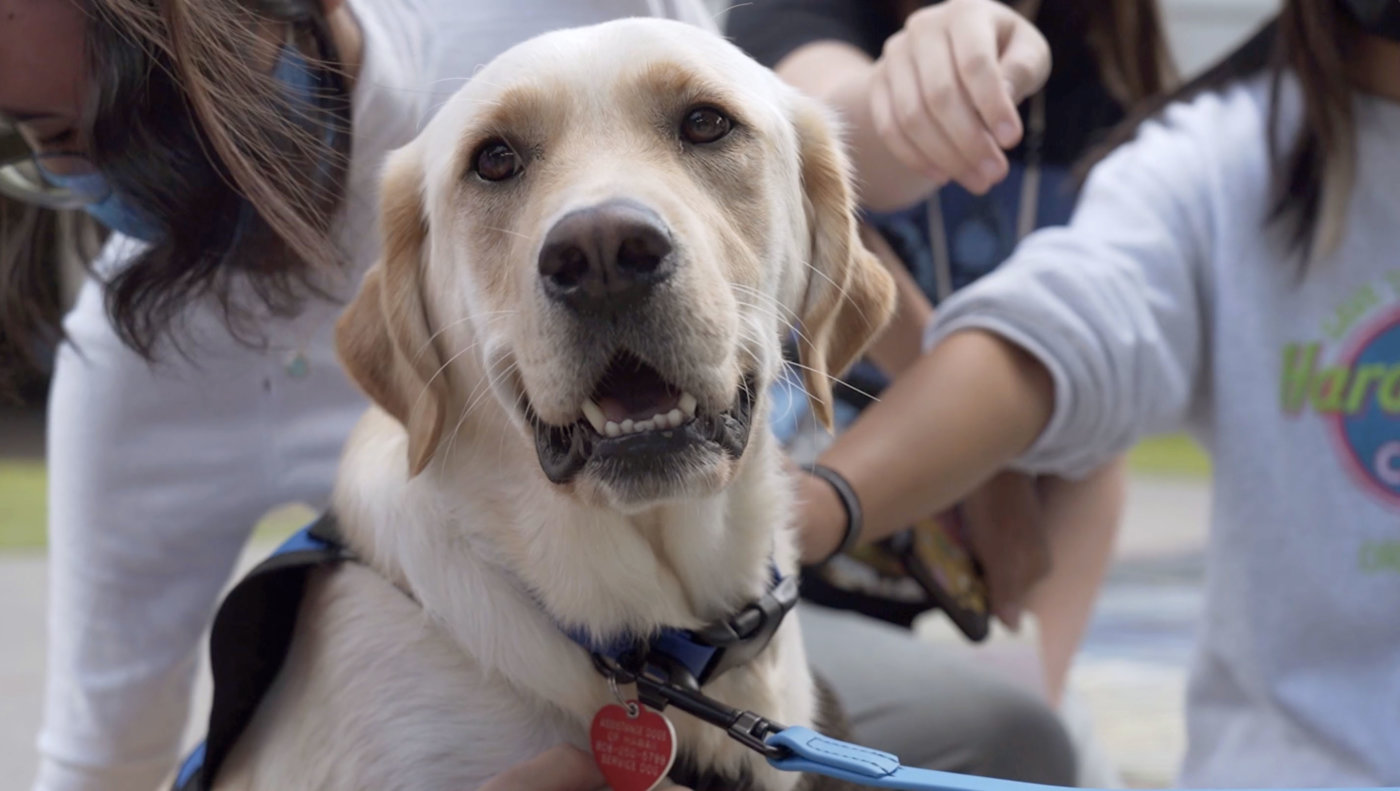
989 728
1021 738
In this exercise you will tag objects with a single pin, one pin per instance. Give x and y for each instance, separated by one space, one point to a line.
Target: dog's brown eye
705 125
496 161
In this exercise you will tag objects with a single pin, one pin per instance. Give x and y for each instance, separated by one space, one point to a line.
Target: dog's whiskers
783 323
845 294
474 399
833 379
715 17
771 307
752 335
505 231
479 392
501 444
441 368
489 315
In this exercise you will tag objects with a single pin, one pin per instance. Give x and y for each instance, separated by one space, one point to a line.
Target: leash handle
804 750
809 751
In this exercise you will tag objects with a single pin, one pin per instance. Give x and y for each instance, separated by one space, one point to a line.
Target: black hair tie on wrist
849 501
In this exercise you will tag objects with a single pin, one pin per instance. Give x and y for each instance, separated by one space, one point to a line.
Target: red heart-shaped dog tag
633 751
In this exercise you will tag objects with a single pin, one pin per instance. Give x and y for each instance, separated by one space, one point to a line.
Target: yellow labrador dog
591 256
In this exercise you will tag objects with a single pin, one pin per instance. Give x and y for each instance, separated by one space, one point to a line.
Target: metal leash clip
665 682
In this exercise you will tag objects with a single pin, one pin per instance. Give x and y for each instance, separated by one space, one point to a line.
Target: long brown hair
1134 60
56 242
1312 171
186 123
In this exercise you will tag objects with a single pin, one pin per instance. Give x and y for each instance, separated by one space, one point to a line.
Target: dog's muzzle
608 267
637 424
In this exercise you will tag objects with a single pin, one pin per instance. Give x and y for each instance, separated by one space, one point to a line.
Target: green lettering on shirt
1337 389
1388 394
1361 385
1296 374
1329 389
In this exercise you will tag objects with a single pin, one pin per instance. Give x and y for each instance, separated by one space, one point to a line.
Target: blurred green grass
22 506
1172 455
23 511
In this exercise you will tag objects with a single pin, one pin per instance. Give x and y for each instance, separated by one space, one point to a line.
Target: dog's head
607 231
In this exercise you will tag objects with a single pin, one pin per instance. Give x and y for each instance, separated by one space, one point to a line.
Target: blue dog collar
704 653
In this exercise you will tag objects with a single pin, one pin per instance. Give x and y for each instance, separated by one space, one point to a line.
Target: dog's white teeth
687 405
594 413
658 422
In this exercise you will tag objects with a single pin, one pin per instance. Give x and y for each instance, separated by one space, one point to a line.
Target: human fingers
1007 536
1024 62
913 111
560 768
976 57
1000 58
953 113
890 128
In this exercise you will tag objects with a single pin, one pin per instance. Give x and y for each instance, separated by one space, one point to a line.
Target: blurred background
1125 701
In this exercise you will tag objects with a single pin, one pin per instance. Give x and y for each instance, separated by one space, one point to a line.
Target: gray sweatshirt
1168 302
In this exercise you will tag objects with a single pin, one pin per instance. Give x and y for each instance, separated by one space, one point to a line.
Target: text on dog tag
633 746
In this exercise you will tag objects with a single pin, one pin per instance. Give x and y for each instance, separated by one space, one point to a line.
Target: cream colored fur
440 490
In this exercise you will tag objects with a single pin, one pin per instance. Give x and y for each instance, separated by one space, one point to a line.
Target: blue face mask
108 206
105 205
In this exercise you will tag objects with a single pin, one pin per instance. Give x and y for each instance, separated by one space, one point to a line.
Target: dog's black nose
606 257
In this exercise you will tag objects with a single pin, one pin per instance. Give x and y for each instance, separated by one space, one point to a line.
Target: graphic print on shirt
1352 380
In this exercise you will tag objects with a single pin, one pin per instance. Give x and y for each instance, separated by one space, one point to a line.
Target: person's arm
1088 338
901 342
144 530
960 413
939 103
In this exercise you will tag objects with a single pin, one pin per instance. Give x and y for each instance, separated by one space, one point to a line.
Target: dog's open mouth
637 423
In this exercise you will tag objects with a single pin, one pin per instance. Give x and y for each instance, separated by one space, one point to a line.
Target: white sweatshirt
157 475
1167 303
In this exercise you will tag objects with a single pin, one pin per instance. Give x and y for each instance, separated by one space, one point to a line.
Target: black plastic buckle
752 731
670 684
744 635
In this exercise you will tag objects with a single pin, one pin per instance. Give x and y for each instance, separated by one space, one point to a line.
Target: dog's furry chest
413 705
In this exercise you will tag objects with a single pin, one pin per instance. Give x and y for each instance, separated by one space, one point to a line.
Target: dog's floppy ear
382 338
850 297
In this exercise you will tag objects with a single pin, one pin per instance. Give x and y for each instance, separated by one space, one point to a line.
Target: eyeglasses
53 180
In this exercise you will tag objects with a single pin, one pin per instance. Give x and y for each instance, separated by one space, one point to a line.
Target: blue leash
811 752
